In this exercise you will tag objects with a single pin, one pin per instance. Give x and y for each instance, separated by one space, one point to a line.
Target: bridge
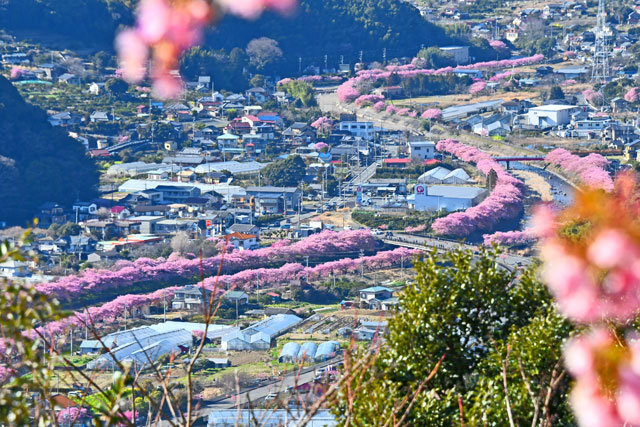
508 160
121 146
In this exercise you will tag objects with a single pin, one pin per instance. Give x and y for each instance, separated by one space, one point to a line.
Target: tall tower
600 70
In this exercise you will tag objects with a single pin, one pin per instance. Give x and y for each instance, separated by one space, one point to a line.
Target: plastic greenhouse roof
290 349
123 352
308 350
326 348
274 325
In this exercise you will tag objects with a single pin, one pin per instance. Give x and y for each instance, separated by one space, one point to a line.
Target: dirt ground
536 184
445 101
339 218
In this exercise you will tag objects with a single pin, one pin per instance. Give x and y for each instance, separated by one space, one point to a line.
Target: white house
362 129
551 115
448 197
13 268
422 150
243 241
440 175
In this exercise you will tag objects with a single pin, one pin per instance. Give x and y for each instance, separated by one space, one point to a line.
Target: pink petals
432 114
166 28
590 169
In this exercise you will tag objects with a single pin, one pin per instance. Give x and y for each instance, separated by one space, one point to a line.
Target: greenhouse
307 351
289 352
327 350
144 349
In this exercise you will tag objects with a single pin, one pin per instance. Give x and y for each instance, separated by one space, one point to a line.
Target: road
509 261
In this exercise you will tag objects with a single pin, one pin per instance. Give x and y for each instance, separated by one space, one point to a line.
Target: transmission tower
600 71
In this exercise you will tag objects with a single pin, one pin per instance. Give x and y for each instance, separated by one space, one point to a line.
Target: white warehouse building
551 115
448 197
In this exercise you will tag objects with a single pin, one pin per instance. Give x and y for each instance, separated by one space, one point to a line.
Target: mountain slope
38 163
320 27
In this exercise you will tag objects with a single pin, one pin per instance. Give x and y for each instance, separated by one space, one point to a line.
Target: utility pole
384 56
299 65
326 63
361 57
258 286
71 340
341 59
361 263
237 311
402 264
306 258
164 304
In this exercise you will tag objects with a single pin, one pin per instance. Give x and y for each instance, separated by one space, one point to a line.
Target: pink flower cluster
477 87
432 114
413 114
161 270
364 100
501 76
416 229
310 79
164 30
403 112
607 389
347 92
632 95
509 238
592 96
569 82
590 169
498 45
595 279
391 109
321 146
251 9
323 124
504 202
379 106
284 81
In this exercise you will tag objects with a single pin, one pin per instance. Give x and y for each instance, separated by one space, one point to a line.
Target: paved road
509 261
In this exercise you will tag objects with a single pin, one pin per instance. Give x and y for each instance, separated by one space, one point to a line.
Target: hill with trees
38 162
320 27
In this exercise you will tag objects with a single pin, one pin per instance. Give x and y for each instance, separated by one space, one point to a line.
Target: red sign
419 189
208 222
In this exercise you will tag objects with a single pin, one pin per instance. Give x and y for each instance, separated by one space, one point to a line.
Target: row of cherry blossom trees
145 270
504 202
347 91
508 238
246 279
590 169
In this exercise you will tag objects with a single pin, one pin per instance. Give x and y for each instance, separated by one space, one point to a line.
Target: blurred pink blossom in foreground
166 28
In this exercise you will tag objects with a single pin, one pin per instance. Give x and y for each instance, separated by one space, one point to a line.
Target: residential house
190 297
177 194
100 116
244 229
275 200
84 211
422 150
257 94
237 296
70 79
65 118
51 213
364 130
14 268
243 241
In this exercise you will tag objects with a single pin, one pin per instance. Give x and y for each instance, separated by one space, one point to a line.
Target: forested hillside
318 28
38 163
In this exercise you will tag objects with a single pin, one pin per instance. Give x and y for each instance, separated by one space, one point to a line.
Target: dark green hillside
320 27
38 163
